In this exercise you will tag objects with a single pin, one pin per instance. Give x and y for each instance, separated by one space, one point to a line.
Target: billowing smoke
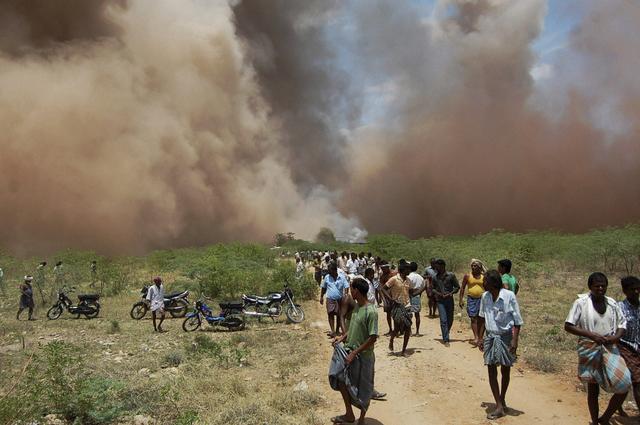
129 126
132 125
468 145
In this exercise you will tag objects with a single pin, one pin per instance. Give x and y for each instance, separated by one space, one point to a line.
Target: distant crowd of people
353 287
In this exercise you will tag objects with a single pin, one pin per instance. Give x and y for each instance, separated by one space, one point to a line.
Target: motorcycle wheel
234 323
138 311
179 309
54 312
190 324
295 315
93 314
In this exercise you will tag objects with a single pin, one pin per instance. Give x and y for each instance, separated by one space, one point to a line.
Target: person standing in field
2 287
508 280
599 323
630 342
353 363
500 313
475 282
58 274
155 296
445 285
333 285
317 269
428 275
26 298
93 268
299 268
417 288
40 281
397 291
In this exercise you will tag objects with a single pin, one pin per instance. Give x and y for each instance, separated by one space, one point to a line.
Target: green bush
224 353
57 382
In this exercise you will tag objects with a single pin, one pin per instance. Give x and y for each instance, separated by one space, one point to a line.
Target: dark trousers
445 310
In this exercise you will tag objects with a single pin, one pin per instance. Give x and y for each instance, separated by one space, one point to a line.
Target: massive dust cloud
134 125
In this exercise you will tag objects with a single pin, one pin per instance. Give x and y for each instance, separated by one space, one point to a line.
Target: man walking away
428 275
445 284
630 341
417 288
502 320
387 304
508 280
333 285
155 296
26 297
397 290
352 367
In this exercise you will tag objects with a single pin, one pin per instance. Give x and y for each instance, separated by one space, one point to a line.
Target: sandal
495 415
341 420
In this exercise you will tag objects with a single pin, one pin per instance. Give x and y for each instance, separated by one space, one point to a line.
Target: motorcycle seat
232 305
179 294
84 297
256 299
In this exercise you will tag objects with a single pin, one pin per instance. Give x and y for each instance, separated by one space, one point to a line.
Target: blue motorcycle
230 317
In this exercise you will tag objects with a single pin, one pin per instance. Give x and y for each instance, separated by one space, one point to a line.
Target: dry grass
250 380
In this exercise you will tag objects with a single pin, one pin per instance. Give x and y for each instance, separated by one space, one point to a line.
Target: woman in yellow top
475 282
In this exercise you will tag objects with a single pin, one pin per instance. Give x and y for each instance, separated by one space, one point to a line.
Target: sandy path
439 385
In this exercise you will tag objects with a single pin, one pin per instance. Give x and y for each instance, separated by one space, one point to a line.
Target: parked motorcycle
176 304
88 305
230 317
272 306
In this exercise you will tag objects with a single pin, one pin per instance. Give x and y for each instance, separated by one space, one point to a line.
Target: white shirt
417 281
352 266
371 295
585 316
503 314
156 296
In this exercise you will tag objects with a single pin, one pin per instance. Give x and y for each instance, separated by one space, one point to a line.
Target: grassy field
116 370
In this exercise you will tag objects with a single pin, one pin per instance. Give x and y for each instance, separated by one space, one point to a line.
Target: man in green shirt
358 343
508 280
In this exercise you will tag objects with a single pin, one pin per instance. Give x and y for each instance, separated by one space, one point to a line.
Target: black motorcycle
176 304
88 305
272 306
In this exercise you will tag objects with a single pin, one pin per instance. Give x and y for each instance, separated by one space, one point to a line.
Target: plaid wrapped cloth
496 349
603 365
401 317
357 377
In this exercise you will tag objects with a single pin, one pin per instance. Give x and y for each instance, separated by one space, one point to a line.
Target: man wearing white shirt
500 316
417 287
352 264
155 296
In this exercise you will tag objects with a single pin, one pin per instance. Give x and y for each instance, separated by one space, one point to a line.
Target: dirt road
440 385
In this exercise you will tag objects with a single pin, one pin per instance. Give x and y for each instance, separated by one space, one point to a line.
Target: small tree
325 235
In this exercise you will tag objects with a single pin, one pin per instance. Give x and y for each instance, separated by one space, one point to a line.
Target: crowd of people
354 286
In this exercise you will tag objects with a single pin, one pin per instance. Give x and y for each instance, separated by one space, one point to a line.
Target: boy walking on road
352 366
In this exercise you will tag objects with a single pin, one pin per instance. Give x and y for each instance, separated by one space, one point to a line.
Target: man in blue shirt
334 285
